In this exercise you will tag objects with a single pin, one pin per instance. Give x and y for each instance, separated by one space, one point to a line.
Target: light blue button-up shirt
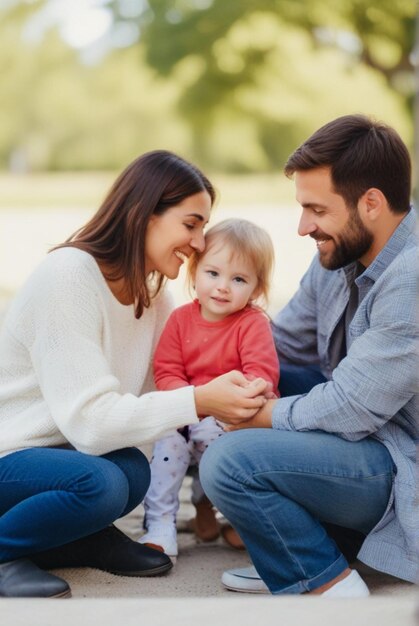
374 389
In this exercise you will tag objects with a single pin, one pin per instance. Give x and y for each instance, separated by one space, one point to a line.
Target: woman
76 383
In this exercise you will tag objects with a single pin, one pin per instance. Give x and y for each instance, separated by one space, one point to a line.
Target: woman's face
172 237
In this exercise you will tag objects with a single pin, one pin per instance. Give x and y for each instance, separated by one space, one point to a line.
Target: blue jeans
51 496
280 489
296 379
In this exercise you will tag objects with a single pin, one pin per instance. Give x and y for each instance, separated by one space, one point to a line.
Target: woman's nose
198 242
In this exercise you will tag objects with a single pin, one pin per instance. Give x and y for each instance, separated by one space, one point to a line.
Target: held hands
262 419
268 393
231 398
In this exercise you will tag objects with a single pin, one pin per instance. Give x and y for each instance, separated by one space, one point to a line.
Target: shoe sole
156 571
264 591
64 594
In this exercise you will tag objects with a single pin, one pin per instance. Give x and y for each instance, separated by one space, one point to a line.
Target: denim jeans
295 379
51 496
280 489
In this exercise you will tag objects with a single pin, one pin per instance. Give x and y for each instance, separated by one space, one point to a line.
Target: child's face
224 283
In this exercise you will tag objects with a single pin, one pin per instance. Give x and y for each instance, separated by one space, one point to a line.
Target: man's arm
377 378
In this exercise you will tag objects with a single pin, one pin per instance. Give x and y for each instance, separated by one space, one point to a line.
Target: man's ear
372 204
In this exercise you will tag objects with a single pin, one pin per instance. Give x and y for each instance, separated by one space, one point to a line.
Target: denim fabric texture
277 487
49 496
373 392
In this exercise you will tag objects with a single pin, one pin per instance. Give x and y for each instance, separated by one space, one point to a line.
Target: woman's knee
136 469
107 489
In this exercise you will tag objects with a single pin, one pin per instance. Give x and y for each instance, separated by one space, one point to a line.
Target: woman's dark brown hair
115 236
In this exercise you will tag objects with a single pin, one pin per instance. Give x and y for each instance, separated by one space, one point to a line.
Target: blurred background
233 85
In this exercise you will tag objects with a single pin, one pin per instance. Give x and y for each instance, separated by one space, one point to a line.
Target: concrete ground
192 594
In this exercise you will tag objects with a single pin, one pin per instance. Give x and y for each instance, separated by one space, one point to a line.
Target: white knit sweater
76 366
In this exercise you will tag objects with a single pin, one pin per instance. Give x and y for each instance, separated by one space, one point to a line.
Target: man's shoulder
406 262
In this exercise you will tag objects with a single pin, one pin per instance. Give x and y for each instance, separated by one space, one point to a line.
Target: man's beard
353 242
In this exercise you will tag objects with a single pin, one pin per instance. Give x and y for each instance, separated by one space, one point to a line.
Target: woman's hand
231 398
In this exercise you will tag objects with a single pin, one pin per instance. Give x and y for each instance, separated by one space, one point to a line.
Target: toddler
224 329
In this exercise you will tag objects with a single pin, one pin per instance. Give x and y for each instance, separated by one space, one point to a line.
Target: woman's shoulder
68 267
70 258
66 274
64 283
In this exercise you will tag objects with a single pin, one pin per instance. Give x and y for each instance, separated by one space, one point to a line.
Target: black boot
109 550
23 579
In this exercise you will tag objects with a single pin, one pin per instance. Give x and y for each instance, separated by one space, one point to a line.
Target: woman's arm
65 316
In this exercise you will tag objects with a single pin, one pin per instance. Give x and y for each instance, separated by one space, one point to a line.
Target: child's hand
269 393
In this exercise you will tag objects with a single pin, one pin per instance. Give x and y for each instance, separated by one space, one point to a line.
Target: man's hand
262 419
231 398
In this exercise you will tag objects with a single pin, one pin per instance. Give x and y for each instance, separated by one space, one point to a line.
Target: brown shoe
232 537
205 524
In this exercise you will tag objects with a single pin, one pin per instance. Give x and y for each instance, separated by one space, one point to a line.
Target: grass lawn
86 190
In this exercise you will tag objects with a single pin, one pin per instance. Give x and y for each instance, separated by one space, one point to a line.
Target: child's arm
169 368
257 351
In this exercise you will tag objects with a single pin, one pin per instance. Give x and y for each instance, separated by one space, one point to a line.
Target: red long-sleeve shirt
193 351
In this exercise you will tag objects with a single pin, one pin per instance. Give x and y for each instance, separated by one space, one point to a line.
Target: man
335 455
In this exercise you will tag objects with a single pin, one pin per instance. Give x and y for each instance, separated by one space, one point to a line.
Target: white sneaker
163 537
245 580
350 587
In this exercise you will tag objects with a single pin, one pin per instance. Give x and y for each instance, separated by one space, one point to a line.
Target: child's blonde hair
247 242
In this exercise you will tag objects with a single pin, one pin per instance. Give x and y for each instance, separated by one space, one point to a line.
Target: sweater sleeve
169 367
257 350
82 394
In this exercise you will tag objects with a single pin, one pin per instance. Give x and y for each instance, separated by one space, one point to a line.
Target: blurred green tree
59 113
221 49
233 85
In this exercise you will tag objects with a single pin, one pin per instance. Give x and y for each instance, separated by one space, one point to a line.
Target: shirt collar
392 248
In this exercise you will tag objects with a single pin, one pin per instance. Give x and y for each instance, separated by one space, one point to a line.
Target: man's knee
223 460
211 466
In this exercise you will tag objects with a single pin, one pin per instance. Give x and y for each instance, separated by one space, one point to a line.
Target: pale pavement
191 594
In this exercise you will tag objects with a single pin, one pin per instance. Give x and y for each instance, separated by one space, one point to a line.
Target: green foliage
58 113
233 85
244 51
